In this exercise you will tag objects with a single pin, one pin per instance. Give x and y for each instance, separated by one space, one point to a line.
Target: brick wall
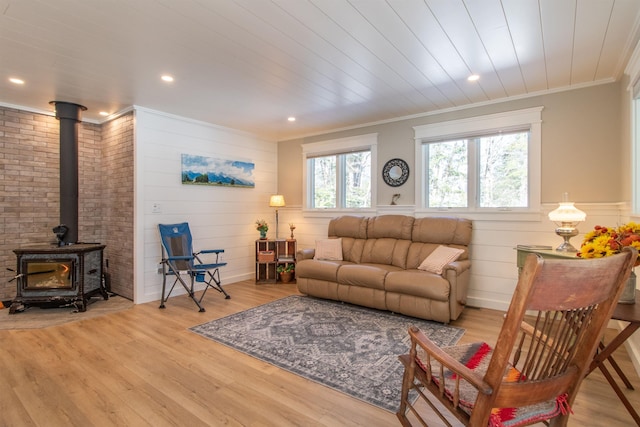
30 184
117 145
92 175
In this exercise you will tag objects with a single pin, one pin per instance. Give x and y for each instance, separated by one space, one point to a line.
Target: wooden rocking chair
556 319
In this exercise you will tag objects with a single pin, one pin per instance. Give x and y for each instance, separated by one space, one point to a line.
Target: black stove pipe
68 114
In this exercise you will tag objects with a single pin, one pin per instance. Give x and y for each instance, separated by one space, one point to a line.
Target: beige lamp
276 201
567 217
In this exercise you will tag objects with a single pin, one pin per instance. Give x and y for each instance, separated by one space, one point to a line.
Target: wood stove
57 275
67 272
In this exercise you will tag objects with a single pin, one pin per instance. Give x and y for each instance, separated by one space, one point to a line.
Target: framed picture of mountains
200 170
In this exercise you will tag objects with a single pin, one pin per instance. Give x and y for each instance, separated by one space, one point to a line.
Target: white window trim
635 153
633 89
500 122
339 146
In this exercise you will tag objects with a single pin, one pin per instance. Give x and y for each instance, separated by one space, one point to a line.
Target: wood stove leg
16 307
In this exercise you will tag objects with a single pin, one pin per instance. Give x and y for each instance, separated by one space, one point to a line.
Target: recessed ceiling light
473 78
291 119
16 80
103 113
167 78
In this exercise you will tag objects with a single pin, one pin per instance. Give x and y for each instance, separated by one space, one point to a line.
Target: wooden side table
627 313
273 253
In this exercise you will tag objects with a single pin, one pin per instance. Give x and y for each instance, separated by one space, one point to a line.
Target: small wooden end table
627 313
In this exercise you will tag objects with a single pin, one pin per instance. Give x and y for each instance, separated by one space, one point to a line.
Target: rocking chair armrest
210 251
420 339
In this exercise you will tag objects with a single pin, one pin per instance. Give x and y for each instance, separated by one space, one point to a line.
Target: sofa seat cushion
364 275
418 283
319 269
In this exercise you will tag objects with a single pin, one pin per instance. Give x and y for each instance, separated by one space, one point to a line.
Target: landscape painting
200 170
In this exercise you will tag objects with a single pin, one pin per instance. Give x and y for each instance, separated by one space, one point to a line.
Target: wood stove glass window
56 274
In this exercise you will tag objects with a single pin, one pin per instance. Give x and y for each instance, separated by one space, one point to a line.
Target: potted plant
286 272
262 227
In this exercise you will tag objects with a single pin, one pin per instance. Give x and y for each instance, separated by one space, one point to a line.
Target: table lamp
276 201
567 217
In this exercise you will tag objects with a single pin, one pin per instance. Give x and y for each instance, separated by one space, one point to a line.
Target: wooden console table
626 312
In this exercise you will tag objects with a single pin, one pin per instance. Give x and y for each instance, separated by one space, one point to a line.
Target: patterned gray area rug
348 348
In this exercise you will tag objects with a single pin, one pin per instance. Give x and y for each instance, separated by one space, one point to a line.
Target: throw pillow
329 249
440 257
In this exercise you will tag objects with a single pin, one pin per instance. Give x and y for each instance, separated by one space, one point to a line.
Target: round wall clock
395 172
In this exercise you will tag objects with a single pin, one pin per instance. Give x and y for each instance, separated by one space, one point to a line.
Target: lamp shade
566 212
276 201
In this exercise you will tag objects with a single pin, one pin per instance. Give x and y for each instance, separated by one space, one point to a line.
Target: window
488 163
633 71
502 177
635 151
338 173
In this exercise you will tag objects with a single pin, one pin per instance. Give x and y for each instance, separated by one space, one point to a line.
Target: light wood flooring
143 367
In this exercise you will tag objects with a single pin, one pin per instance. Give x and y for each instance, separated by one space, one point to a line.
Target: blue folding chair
180 262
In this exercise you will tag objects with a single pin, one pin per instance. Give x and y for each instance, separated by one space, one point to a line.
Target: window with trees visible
635 151
338 173
485 163
501 179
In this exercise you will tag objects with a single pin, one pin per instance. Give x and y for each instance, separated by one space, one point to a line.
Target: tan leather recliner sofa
379 266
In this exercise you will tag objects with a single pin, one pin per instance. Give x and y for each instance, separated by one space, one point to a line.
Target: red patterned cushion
477 356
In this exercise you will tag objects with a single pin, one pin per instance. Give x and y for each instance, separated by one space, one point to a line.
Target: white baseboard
487 303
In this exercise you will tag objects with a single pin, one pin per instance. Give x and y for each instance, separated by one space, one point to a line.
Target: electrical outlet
156 208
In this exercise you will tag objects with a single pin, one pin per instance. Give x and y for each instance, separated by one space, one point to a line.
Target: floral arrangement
605 241
261 225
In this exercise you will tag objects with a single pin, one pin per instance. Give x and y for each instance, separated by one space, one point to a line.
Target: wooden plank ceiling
250 64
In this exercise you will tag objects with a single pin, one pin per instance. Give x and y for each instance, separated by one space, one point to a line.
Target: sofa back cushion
352 249
348 226
392 226
388 240
441 230
386 251
431 232
353 231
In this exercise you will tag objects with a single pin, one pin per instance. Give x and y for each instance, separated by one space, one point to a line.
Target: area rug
349 348
36 317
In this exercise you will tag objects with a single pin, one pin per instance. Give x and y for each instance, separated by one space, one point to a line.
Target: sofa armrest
457 274
305 254
458 267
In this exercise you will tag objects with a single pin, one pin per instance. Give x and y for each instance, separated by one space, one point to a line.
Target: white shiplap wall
219 217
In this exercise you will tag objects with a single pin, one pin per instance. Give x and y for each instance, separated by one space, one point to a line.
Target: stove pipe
68 115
